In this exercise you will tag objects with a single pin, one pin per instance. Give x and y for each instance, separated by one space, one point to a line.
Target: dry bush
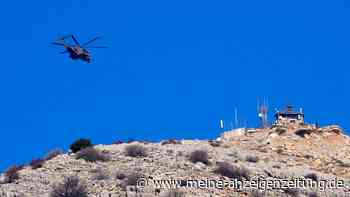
292 192
54 153
118 142
131 179
281 130
311 176
174 193
120 175
131 141
71 187
279 151
100 174
230 171
251 158
80 144
170 141
37 163
312 194
12 173
136 150
199 156
257 193
214 143
90 154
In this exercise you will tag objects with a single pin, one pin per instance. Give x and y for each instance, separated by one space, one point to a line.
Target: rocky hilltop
303 152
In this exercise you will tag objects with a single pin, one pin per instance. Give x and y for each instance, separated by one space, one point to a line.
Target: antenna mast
263 113
236 118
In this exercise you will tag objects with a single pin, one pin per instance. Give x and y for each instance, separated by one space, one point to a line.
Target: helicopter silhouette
77 51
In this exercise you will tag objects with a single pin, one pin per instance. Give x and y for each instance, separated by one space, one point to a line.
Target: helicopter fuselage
77 52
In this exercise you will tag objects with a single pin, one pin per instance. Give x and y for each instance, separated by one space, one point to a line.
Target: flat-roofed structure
289 117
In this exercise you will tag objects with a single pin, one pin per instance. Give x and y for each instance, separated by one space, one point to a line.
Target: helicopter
77 51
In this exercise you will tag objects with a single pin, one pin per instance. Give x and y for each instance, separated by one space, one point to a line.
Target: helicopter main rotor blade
58 43
63 52
75 40
90 41
97 47
64 37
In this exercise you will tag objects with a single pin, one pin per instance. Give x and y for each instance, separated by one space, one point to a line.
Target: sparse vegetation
100 174
54 153
214 143
199 156
302 132
311 176
37 163
279 151
170 141
11 174
71 187
251 158
280 130
292 192
174 193
120 175
257 193
131 179
312 194
230 171
91 154
136 150
131 141
118 142
80 144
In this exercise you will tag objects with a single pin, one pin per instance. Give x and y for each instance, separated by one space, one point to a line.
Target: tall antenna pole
263 113
221 124
236 118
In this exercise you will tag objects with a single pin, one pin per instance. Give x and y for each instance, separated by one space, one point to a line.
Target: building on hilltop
289 117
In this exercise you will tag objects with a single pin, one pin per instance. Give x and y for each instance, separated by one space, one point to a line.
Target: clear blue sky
173 69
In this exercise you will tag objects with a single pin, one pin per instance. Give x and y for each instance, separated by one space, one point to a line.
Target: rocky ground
264 154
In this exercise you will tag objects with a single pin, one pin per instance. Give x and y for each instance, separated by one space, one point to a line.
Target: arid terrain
304 152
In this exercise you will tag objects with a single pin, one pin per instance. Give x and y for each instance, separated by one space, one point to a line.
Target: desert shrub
80 144
100 174
214 143
251 158
37 163
292 192
279 151
230 171
131 141
311 176
302 132
199 156
54 153
120 175
312 194
11 174
118 142
170 141
281 130
90 154
257 193
131 179
175 193
135 150
71 187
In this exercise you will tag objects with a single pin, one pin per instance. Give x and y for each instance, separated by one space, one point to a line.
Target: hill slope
252 154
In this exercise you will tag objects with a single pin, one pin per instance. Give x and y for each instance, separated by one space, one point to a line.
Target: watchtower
289 117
